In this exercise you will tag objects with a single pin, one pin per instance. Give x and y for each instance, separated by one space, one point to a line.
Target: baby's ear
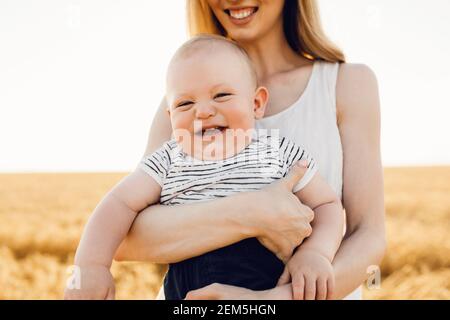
260 102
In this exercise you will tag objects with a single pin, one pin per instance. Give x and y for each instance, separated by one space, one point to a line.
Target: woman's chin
243 36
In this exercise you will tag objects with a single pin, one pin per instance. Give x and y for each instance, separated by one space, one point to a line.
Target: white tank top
311 122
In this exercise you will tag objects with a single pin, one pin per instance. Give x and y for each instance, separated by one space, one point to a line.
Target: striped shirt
184 179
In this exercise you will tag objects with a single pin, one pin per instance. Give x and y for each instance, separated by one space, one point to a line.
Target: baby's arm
328 220
108 226
310 268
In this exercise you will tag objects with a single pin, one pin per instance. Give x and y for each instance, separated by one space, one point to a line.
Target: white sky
80 80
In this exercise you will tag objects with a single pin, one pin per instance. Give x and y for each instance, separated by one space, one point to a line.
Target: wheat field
42 217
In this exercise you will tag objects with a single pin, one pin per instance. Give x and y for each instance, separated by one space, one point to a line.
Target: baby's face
213 98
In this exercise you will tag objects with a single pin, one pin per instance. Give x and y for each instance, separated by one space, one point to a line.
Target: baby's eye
184 103
222 95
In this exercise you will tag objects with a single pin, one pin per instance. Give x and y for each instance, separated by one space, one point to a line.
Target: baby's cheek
181 121
242 118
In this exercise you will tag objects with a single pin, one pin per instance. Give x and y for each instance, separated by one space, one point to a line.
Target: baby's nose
204 110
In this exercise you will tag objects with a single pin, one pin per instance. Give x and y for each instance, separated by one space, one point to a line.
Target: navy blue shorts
245 264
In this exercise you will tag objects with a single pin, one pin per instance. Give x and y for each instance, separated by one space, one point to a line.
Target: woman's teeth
241 13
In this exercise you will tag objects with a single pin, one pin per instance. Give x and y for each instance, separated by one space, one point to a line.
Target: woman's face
248 20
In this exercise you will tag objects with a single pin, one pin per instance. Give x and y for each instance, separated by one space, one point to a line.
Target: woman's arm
168 234
363 193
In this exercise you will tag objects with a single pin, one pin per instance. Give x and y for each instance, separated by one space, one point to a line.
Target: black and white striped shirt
184 179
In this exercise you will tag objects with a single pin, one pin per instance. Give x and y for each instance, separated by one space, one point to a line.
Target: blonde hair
301 23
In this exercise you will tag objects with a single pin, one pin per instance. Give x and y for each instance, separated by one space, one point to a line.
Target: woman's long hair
301 23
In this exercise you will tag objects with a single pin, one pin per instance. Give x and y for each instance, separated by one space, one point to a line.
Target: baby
213 101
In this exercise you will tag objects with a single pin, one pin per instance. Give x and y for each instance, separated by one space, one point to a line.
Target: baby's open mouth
242 13
212 131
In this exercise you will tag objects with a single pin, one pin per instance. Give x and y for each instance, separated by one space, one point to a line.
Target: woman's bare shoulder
356 88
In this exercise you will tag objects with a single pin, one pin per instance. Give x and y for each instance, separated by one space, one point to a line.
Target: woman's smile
247 20
240 16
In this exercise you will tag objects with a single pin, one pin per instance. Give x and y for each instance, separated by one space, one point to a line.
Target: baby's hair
211 42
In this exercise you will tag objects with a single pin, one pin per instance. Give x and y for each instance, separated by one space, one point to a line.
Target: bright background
80 80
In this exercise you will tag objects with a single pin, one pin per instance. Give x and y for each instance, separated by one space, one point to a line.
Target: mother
317 100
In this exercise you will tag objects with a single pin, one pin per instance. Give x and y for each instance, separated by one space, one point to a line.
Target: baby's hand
312 276
95 283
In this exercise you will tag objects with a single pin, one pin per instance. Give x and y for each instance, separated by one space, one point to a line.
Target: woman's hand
282 221
217 291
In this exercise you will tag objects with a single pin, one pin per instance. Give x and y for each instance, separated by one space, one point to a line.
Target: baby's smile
210 131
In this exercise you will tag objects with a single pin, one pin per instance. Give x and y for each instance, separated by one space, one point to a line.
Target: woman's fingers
218 291
284 223
295 174
205 293
214 291
194 295
306 211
